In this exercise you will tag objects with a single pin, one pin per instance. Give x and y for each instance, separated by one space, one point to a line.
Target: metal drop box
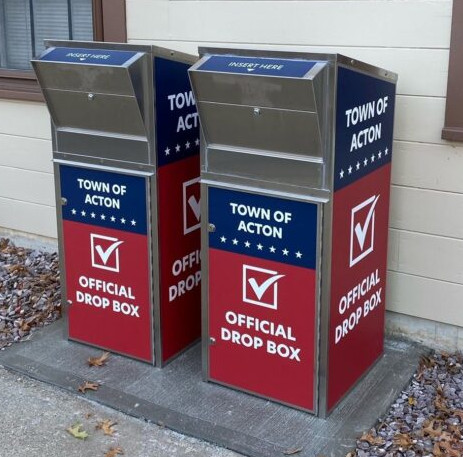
295 176
125 138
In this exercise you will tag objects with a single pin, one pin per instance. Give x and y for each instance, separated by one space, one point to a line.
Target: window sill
452 133
19 86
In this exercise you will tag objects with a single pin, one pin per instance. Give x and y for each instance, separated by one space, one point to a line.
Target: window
24 24
453 128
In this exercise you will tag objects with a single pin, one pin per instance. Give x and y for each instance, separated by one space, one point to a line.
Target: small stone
30 294
363 445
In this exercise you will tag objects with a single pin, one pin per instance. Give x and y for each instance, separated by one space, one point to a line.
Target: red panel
179 255
358 280
244 290
107 280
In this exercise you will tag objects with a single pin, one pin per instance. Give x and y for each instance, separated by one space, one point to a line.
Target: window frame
453 126
109 24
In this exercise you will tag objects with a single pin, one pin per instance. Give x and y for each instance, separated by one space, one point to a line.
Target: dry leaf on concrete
113 451
76 432
98 361
107 426
88 386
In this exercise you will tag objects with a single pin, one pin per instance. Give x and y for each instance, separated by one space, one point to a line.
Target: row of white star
260 247
178 147
103 217
365 163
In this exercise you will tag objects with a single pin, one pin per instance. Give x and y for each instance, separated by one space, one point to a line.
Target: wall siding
410 37
379 23
24 119
28 217
26 153
26 179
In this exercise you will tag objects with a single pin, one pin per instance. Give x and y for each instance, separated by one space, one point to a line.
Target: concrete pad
177 398
35 416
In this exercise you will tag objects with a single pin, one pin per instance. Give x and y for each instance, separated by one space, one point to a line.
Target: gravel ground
29 291
427 418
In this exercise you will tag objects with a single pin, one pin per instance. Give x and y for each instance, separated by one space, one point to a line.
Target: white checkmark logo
260 290
195 206
105 254
190 203
254 289
361 228
361 231
104 251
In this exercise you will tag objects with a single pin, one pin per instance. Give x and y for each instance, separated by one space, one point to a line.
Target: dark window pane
16 49
50 22
82 20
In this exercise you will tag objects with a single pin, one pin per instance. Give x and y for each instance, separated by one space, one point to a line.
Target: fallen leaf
18 270
76 432
98 361
411 401
88 416
25 327
425 364
88 386
441 404
107 426
373 440
428 362
454 429
444 449
293 451
113 451
430 430
402 440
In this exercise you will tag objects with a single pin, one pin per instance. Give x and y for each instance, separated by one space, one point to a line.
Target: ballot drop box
295 174
126 161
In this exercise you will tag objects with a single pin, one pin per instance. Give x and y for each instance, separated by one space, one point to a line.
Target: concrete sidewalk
177 397
34 418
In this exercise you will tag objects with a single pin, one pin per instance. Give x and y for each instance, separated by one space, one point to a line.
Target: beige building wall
410 37
27 201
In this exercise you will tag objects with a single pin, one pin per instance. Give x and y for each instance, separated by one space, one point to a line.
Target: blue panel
177 121
258 66
105 199
364 125
265 227
88 56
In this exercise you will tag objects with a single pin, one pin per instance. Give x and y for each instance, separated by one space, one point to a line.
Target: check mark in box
260 286
362 230
105 252
191 205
